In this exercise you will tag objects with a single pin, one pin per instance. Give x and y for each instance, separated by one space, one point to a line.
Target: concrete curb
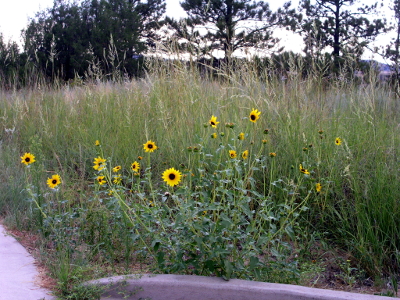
191 287
18 272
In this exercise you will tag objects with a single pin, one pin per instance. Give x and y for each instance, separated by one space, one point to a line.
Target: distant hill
381 67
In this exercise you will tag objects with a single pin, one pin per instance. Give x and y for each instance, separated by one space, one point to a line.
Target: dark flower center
54 181
150 146
27 159
171 176
212 123
253 117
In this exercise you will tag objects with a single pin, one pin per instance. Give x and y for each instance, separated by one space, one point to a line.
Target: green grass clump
245 194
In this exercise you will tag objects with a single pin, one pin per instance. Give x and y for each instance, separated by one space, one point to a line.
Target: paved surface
18 272
190 287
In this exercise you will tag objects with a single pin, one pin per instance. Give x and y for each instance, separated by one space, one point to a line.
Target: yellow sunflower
116 169
232 154
254 115
150 146
272 154
117 179
171 176
97 143
318 187
338 141
214 135
99 163
135 167
213 121
302 170
54 181
100 180
241 136
245 154
28 159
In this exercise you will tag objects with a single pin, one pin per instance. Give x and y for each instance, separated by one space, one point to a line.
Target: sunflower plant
213 204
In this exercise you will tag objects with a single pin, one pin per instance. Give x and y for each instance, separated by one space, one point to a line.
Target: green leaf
156 244
254 261
290 232
228 270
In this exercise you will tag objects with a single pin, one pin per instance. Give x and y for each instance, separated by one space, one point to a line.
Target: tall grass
357 209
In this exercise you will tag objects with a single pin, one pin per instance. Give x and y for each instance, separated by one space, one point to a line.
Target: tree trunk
336 36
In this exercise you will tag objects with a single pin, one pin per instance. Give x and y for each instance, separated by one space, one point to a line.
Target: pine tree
229 25
336 24
393 49
65 38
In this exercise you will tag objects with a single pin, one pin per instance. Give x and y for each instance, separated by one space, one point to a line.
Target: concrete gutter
190 287
18 272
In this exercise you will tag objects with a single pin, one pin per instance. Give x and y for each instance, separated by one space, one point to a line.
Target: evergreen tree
66 38
393 49
229 25
10 63
335 24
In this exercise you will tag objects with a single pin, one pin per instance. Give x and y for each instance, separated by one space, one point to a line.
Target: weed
236 200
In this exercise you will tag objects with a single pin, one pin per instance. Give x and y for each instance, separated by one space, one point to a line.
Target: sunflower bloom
213 121
28 159
135 167
100 180
97 143
117 179
232 154
150 146
214 135
338 141
241 136
99 163
272 154
245 154
172 177
116 169
318 187
303 170
254 115
54 181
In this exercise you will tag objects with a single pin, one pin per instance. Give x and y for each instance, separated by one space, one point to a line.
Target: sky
14 15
